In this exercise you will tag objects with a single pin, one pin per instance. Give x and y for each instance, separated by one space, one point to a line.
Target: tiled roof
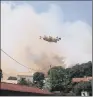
22 88
81 79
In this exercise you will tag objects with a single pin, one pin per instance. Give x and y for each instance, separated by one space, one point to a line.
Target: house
9 81
26 76
8 89
85 79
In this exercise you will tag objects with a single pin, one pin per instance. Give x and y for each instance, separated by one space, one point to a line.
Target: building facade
26 76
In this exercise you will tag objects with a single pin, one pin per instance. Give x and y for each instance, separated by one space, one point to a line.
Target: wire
16 60
20 63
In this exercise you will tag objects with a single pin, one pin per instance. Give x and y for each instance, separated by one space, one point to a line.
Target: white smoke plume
21 27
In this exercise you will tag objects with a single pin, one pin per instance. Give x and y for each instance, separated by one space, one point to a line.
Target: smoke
21 27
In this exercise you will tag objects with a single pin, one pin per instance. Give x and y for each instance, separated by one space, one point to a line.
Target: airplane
50 39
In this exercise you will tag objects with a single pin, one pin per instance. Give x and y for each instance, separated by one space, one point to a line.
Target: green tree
81 70
87 68
23 81
38 79
59 78
47 84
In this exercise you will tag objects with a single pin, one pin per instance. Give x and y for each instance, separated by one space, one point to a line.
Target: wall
30 78
10 81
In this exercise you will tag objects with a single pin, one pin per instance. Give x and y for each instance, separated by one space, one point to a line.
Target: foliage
12 78
38 78
81 70
87 68
47 84
23 81
86 86
59 78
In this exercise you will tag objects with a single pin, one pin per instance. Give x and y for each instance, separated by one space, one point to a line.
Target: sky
22 22
73 10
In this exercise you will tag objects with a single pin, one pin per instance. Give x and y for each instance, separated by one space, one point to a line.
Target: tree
81 70
47 84
38 78
59 78
86 86
87 68
23 81
1 75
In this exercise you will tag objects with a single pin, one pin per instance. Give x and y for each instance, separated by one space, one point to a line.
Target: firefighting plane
50 39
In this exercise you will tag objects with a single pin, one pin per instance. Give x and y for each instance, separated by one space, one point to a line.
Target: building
26 76
85 79
8 89
9 81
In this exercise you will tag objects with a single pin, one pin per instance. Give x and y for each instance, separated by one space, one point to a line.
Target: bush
23 81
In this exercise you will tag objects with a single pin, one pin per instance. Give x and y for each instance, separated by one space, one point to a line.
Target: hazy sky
73 10
23 22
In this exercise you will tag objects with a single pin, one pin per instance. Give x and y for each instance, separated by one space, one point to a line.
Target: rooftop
85 79
22 88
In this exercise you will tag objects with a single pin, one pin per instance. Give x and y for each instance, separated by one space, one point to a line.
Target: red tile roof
22 88
81 79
